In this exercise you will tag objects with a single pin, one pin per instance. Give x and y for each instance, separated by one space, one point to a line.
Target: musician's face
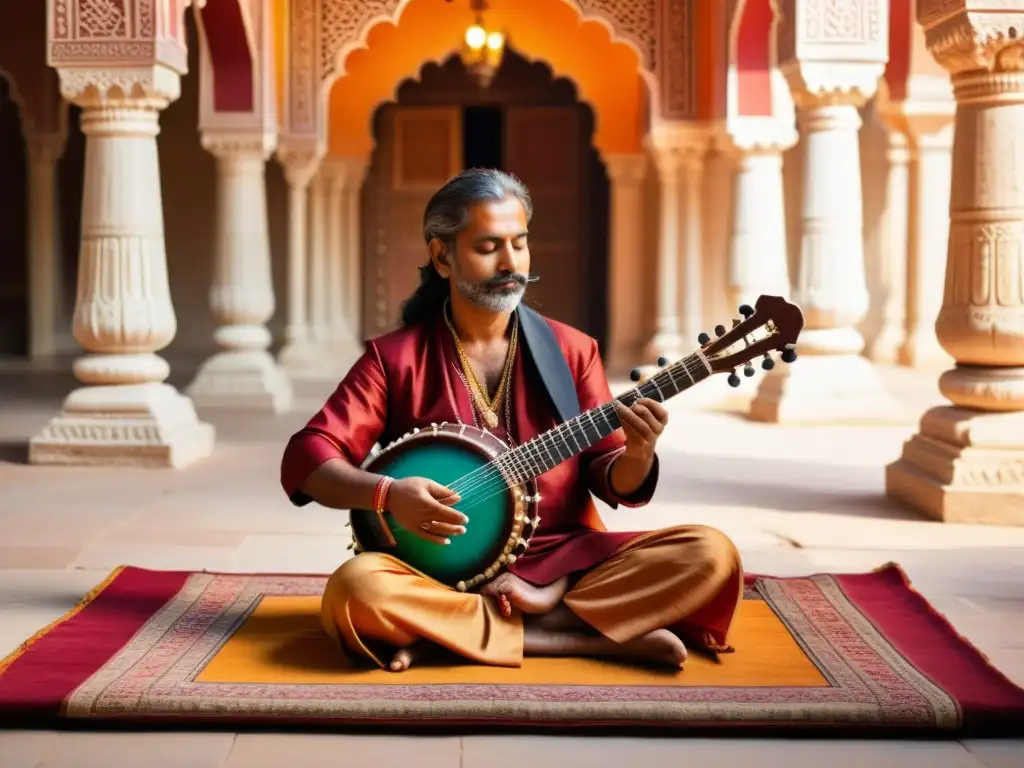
492 259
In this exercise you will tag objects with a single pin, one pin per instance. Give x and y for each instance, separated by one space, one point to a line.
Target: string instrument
497 484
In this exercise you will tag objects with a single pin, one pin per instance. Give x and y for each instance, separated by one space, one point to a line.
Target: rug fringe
905 577
91 595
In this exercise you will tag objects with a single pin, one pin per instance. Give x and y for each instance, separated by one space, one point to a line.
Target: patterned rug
850 653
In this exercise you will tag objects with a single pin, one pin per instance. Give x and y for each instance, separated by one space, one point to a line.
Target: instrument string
495 477
532 450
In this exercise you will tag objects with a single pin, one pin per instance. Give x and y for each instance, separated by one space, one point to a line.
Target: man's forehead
504 217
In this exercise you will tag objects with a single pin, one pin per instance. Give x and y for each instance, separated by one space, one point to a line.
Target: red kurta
411 378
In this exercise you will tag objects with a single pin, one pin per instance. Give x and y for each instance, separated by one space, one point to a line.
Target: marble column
890 319
352 229
344 348
626 173
758 260
243 375
830 381
691 289
931 176
667 340
126 413
319 287
44 150
966 463
300 166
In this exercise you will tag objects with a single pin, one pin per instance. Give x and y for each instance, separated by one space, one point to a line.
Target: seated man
579 589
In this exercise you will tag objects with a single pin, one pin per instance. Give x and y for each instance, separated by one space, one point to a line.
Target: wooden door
545 147
419 149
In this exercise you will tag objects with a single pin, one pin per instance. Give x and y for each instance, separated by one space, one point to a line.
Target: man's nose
507 259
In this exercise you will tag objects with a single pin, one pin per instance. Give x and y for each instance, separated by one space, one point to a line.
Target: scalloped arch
606 73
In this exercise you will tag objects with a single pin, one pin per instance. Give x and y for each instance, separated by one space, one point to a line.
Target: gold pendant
491 419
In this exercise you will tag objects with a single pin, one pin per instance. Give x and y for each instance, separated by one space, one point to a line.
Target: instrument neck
572 437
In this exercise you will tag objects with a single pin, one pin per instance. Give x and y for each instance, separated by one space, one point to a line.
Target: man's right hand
423 507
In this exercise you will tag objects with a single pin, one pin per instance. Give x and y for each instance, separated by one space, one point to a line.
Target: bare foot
659 646
404 657
524 596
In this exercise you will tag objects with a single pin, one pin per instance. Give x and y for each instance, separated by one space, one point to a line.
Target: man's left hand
643 424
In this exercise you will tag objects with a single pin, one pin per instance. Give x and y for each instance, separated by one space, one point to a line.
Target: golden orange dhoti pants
688 579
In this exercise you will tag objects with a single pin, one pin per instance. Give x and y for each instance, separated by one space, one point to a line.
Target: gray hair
447 213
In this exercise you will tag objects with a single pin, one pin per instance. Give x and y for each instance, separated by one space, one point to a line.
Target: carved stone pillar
890 316
831 381
931 177
244 376
319 283
126 413
43 267
625 175
758 260
300 166
966 463
352 246
667 340
344 349
678 150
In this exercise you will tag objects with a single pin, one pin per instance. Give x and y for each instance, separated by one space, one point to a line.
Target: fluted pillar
319 284
44 150
126 413
243 375
625 175
931 177
758 260
890 319
300 166
831 381
667 340
966 463
352 239
343 345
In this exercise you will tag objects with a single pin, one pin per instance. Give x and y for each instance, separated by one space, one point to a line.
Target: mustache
512 277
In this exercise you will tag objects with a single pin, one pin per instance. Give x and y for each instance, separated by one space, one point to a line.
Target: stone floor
796 501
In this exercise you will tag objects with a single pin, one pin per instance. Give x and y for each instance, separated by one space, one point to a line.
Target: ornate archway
323 34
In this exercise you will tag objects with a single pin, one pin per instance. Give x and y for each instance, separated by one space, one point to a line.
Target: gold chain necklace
488 407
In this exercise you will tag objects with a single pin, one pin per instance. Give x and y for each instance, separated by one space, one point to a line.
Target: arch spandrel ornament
324 32
346 23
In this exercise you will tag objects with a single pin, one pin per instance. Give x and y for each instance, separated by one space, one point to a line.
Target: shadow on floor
787 485
14 452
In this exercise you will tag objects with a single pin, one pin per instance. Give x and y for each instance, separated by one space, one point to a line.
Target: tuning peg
703 339
635 375
748 370
767 364
746 310
789 355
734 380
662 361
719 330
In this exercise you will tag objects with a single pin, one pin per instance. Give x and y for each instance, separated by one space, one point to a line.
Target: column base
242 380
132 425
824 389
885 348
667 344
963 466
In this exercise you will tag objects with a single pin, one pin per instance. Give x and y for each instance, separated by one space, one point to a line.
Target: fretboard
572 437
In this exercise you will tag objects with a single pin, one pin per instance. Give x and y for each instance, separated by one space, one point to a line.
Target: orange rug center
282 642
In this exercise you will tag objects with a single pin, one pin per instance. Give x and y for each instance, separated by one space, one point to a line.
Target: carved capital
972 35
236 145
832 83
759 136
154 87
45 148
301 163
626 168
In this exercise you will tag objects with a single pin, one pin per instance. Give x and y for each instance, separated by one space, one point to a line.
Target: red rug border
31 686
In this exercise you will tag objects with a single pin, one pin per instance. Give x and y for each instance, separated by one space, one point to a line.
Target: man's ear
441 258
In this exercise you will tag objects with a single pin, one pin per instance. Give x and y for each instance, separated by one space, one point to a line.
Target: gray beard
492 301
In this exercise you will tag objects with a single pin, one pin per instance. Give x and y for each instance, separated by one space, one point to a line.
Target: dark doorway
483 136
